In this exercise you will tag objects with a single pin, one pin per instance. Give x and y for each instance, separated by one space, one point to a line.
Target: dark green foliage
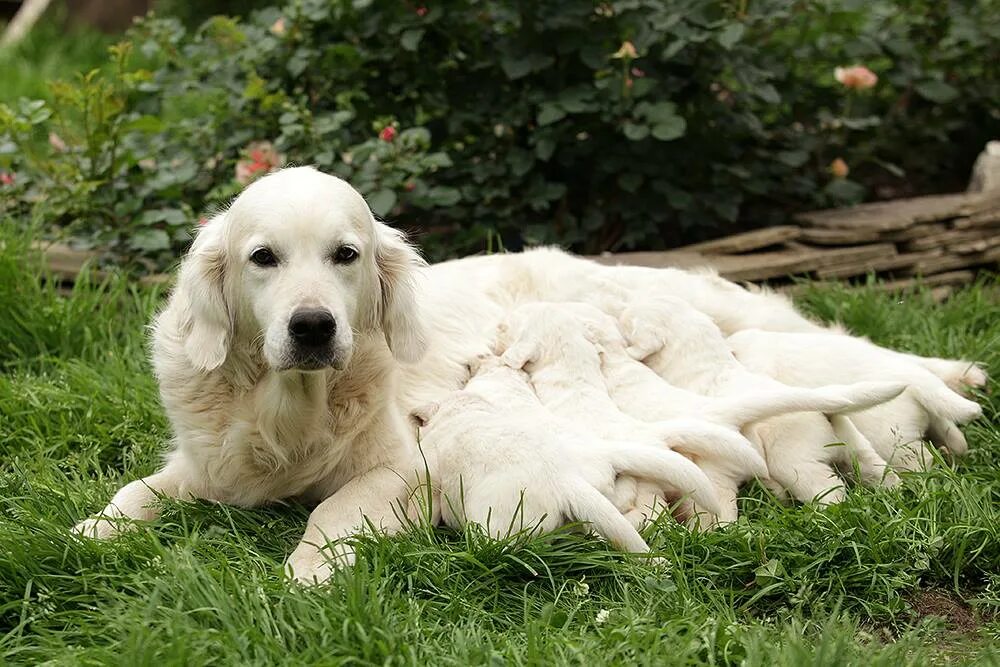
636 123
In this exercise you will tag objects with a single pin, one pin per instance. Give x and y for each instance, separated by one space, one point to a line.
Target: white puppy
555 345
277 359
496 457
684 346
896 428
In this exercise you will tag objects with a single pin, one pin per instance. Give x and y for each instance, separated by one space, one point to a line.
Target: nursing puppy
554 275
555 346
683 346
895 429
496 457
643 394
277 359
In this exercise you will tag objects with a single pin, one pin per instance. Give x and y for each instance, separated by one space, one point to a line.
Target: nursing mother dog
302 332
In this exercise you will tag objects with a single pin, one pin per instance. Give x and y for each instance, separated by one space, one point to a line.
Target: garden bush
599 126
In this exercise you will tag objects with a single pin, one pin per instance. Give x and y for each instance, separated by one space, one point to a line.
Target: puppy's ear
399 265
206 322
422 416
521 353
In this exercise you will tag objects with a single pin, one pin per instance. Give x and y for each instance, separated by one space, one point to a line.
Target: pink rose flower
387 134
261 158
6 178
858 77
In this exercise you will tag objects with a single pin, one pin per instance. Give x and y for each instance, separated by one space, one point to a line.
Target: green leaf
936 91
550 113
444 196
730 35
671 129
171 216
150 240
410 39
147 124
630 181
635 132
544 148
382 201
793 158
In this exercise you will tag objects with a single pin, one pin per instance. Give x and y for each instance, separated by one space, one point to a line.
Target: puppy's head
297 267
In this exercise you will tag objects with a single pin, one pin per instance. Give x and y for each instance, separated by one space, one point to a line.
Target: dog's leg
134 502
377 496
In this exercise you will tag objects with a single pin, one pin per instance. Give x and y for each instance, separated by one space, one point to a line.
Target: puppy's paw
310 566
974 377
102 528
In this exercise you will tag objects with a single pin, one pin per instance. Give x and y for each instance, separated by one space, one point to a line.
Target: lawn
909 576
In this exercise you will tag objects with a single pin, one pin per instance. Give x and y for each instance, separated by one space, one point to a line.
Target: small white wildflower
602 616
581 588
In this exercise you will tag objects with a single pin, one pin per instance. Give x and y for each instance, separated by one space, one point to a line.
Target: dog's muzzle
311 332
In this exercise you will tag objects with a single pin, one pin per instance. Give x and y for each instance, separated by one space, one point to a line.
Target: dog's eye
345 255
263 257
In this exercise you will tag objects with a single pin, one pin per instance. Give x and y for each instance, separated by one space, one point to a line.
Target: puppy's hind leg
872 468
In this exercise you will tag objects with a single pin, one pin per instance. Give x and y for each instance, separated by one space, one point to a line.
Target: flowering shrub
625 124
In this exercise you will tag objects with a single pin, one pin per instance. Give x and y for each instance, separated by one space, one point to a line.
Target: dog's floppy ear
206 323
422 416
398 265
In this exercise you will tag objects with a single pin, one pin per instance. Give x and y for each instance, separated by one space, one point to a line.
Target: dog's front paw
310 566
101 528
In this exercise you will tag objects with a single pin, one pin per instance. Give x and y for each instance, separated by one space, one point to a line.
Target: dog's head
298 266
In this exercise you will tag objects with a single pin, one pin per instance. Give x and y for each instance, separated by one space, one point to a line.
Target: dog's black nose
312 326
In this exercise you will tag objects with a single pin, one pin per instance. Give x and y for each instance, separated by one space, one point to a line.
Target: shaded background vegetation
599 126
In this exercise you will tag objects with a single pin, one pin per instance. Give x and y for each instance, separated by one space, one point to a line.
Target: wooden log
762 266
948 238
915 232
985 219
863 267
948 278
950 262
746 241
896 214
838 237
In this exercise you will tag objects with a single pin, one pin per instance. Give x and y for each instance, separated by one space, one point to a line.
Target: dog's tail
831 399
587 504
946 408
667 469
726 447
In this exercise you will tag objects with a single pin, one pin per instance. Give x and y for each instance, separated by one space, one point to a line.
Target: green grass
854 584
49 52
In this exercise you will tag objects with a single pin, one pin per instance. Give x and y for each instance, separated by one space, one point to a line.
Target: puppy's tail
946 408
831 399
667 469
724 446
587 504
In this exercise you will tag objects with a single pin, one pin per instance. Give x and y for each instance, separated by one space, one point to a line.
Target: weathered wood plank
915 232
950 262
895 214
948 238
876 264
838 237
762 266
746 241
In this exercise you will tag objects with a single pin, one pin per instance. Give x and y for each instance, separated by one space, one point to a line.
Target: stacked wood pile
938 239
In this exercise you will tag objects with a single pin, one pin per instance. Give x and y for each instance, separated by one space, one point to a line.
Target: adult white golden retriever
301 333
